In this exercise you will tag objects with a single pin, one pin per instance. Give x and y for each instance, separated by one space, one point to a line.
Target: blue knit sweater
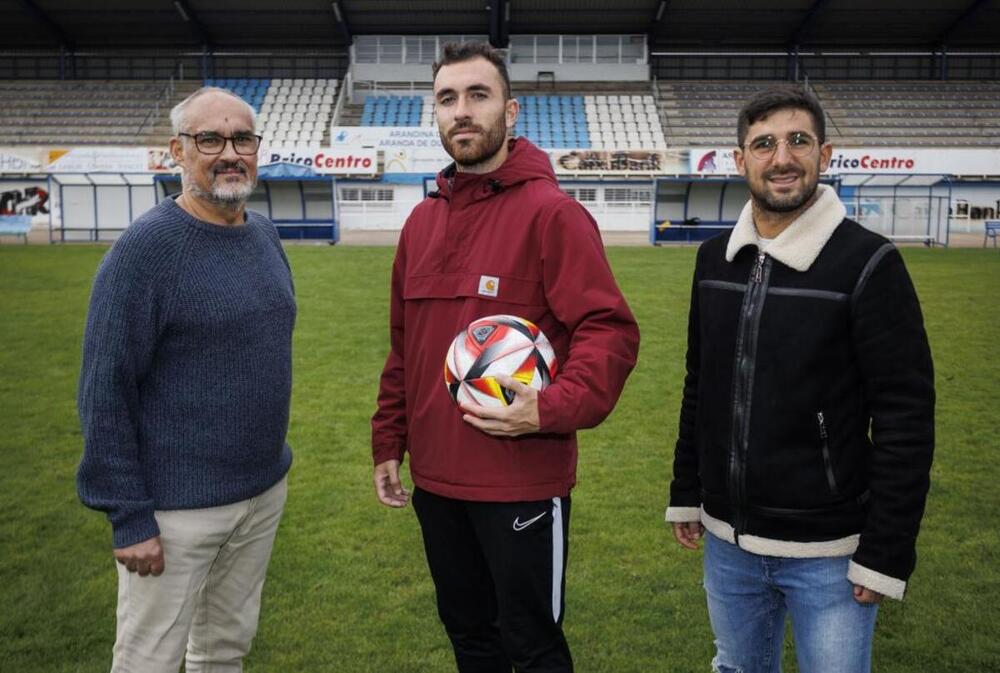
186 378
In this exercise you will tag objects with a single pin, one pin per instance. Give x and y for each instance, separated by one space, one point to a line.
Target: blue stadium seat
391 110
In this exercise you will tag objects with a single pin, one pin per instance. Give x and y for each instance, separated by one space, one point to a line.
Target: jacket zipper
827 463
746 352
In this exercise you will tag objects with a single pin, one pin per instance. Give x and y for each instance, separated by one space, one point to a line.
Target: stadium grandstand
637 112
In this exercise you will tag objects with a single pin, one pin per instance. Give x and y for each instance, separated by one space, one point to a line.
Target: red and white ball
497 344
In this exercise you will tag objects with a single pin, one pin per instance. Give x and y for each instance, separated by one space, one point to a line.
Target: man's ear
741 165
825 152
511 109
177 151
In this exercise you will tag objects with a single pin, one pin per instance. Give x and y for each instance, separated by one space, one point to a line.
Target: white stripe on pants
558 569
207 600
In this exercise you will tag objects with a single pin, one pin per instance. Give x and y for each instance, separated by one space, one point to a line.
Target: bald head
182 113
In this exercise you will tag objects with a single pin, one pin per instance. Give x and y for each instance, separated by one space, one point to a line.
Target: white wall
581 72
390 215
621 216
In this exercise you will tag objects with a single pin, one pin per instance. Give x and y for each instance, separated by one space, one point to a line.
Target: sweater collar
799 245
170 204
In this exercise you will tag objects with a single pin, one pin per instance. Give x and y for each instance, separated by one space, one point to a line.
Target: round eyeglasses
799 144
213 143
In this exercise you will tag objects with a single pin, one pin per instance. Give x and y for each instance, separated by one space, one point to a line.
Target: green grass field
348 589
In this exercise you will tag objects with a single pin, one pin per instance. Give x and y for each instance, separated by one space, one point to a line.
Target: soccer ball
497 344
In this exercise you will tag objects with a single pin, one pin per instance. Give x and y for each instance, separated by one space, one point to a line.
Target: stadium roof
672 25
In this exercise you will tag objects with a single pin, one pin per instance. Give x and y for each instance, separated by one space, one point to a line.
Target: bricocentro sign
327 161
841 162
870 161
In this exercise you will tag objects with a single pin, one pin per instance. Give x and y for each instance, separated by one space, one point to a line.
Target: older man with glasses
184 398
807 422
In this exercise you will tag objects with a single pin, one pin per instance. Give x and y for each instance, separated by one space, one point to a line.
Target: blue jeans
749 595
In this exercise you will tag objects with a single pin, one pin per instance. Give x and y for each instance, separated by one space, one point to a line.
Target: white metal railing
616 216
356 215
807 85
373 87
661 114
569 49
556 49
346 90
166 95
404 49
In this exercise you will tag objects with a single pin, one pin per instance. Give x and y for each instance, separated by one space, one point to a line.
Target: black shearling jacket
807 422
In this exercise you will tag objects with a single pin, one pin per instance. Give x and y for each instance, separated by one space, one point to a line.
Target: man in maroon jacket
492 485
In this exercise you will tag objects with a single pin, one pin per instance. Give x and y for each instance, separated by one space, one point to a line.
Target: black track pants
499 569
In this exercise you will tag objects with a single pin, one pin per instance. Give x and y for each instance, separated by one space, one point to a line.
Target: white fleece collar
799 245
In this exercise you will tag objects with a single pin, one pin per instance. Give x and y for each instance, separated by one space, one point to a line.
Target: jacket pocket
824 438
486 287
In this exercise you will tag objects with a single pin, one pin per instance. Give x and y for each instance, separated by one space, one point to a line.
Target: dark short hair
781 97
453 52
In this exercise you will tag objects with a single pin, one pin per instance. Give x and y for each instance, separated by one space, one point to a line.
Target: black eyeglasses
799 143
213 143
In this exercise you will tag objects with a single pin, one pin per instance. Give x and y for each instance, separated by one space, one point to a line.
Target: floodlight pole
190 17
339 15
499 23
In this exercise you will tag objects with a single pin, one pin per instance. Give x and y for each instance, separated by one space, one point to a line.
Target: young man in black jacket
807 423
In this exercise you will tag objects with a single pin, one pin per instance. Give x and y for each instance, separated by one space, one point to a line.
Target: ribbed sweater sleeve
119 341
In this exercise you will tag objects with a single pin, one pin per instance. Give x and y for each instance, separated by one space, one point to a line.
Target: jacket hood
799 245
524 162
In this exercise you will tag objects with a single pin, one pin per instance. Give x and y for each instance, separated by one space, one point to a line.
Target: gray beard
225 199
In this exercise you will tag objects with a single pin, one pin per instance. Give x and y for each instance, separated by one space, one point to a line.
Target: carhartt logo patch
489 286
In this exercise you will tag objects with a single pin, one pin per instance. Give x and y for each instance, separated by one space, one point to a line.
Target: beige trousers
207 601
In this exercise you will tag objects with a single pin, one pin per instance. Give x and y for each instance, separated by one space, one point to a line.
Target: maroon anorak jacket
543 252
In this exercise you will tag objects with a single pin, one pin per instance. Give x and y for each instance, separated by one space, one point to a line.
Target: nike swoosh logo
518 526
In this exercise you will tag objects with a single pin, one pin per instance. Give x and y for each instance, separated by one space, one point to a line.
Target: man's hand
388 488
866 596
688 533
145 558
520 418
